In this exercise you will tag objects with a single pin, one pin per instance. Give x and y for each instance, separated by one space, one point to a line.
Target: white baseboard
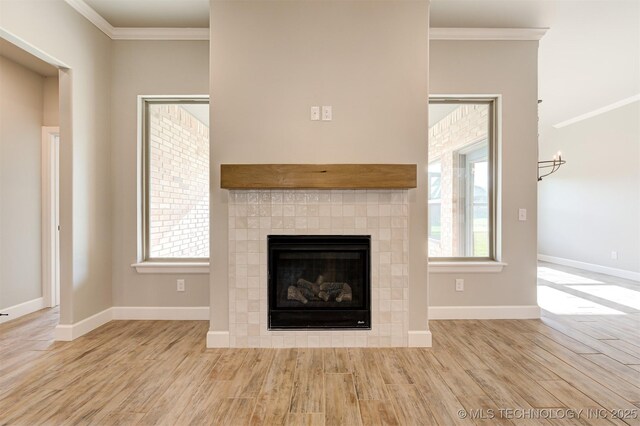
621 273
172 313
70 332
22 309
218 339
419 339
484 312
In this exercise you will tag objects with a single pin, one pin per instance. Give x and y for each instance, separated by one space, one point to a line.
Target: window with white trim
175 179
435 202
462 220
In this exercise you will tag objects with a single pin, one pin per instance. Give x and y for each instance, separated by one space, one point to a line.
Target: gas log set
304 291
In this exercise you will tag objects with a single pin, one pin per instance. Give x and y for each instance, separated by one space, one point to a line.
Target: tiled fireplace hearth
256 214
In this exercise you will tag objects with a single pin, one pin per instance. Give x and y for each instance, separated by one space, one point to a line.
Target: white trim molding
50 264
22 309
620 273
92 16
132 313
171 267
30 48
67 333
480 34
160 34
123 33
218 339
598 111
484 312
465 267
419 339
171 313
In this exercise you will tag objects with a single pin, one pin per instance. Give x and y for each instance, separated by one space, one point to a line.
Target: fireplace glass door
319 282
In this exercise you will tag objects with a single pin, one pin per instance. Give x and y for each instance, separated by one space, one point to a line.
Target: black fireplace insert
319 281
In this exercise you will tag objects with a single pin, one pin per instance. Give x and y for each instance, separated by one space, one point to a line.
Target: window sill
466 267
171 267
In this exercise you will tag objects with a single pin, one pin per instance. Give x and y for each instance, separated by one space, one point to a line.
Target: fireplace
319 282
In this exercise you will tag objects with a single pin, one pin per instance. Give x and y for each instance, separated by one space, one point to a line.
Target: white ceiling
589 58
153 13
199 111
439 111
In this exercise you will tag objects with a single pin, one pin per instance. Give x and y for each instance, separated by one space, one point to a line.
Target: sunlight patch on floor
613 293
559 277
561 303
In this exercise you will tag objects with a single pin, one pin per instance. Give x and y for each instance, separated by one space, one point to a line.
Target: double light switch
327 113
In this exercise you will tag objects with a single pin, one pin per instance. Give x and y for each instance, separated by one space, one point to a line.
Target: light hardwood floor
159 372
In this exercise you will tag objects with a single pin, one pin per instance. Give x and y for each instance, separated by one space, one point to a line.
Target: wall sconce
553 165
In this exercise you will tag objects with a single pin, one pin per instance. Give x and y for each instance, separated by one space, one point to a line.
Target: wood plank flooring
159 372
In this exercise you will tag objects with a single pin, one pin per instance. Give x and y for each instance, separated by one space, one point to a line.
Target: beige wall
147 68
85 187
508 69
591 206
21 112
271 61
51 102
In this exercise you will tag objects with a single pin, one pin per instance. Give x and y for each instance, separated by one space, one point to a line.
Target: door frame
50 216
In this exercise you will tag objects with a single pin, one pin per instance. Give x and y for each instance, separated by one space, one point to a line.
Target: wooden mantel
318 176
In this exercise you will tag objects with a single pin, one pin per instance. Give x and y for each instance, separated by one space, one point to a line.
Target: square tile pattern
382 214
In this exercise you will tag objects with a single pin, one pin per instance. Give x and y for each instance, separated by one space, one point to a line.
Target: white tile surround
382 214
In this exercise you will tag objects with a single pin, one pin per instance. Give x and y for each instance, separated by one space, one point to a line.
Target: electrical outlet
459 284
180 285
614 255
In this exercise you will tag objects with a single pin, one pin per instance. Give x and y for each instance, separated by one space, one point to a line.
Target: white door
55 299
51 215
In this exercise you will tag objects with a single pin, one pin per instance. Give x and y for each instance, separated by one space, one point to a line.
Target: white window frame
143 264
494 263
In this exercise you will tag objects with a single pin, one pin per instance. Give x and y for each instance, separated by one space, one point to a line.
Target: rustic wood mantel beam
318 176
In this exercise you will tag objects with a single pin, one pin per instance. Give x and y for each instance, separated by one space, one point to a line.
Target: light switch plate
522 215
327 113
315 113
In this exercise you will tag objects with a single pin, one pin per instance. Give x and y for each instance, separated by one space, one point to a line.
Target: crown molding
478 34
120 33
92 16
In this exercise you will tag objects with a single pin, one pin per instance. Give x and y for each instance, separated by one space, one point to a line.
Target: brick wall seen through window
177 180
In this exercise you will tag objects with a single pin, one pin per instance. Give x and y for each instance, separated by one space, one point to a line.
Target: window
434 201
461 191
175 179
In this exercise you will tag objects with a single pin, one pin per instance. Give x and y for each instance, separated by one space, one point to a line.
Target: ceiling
199 111
439 111
153 13
589 58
